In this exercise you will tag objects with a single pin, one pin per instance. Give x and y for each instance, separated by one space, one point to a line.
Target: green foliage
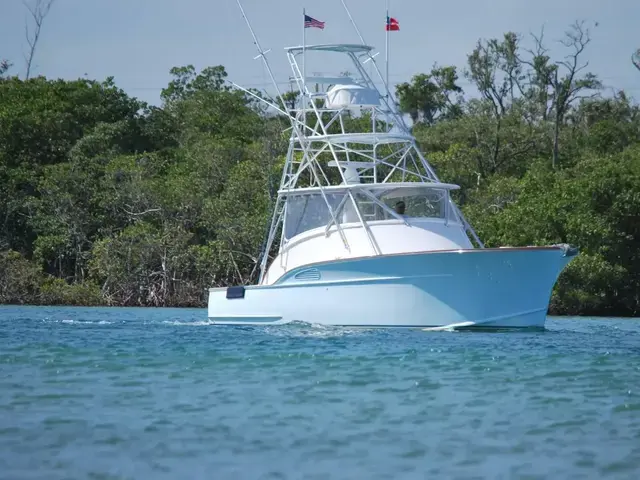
19 279
41 122
55 291
142 265
106 200
187 82
5 66
594 205
428 98
22 282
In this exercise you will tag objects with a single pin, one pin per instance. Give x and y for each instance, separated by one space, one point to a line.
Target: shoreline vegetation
105 200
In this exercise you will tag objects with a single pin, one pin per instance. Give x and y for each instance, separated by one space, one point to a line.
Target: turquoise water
160 393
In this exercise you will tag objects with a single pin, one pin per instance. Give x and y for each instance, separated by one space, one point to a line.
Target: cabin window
306 212
419 203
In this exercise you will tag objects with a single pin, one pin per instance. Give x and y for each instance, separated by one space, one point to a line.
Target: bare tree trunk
556 130
556 133
38 12
496 146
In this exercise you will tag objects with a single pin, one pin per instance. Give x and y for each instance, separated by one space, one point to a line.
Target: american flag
312 22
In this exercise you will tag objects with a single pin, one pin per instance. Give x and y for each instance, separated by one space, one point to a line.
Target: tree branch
136 214
38 13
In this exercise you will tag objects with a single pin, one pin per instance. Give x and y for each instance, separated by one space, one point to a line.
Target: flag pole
304 70
386 60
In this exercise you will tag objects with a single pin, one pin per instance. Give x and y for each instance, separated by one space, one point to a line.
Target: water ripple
162 393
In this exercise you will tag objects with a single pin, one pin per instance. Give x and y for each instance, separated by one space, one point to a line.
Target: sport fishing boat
366 233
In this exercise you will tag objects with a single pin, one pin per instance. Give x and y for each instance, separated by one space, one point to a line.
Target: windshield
309 210
305 212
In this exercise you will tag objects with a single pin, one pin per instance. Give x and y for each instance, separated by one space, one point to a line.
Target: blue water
159 393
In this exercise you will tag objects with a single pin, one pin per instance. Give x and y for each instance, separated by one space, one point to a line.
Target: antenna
635 58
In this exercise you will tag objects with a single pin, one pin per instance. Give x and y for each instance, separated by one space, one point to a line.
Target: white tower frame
311 144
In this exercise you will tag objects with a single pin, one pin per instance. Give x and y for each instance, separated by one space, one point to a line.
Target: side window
421 202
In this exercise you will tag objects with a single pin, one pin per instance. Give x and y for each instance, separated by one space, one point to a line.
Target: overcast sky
138 41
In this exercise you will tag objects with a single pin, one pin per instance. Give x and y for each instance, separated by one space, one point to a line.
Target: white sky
138 41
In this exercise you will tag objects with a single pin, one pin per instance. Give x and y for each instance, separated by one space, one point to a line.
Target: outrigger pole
294 124
262 54
275 107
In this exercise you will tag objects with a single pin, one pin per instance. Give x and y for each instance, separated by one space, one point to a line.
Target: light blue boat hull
489 288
